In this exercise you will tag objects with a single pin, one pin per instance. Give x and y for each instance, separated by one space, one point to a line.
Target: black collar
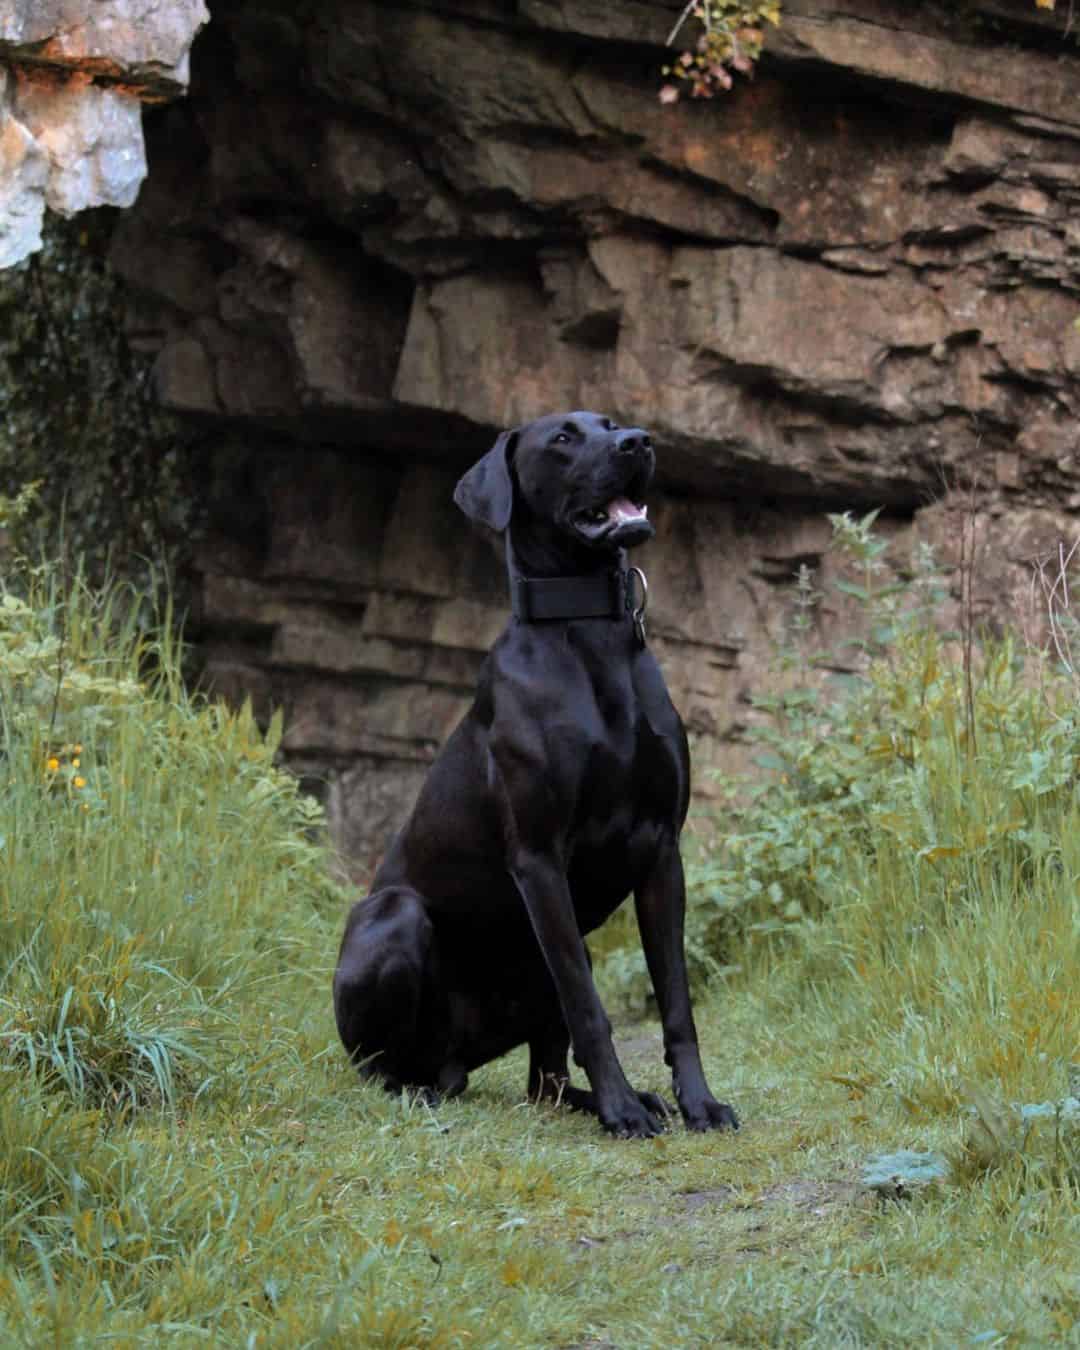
597 595
601 595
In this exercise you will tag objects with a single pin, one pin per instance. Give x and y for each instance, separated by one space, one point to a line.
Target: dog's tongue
623 511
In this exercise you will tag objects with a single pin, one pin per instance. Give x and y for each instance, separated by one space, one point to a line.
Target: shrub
167 918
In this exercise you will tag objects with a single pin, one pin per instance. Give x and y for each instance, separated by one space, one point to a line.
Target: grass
186 1157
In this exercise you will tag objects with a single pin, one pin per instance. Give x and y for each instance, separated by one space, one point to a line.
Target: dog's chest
585 737
634 771
630 801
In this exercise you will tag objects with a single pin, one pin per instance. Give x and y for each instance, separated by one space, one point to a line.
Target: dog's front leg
543 888
660 903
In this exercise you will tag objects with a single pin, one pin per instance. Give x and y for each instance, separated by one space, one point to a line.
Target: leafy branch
732 35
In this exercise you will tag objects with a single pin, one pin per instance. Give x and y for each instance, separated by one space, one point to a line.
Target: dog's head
575 477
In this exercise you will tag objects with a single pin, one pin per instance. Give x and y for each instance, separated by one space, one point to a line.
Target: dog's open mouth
621 522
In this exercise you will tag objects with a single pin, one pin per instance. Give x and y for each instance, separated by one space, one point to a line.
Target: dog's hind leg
549 1074
391 1009
549 1052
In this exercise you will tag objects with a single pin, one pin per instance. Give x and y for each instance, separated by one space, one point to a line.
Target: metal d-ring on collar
637 612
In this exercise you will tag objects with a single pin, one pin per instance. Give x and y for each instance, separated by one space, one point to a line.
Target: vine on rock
119 478
731 38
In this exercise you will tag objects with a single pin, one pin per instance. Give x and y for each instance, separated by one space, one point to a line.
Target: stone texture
24 175
72 77
91 137
144 44
379 232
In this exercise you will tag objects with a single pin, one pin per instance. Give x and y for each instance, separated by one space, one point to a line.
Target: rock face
377 233
72 76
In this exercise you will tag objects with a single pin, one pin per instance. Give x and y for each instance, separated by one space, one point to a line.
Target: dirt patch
695 1200
812 1197
816 1196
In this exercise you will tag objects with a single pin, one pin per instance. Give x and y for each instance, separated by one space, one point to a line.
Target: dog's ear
486 492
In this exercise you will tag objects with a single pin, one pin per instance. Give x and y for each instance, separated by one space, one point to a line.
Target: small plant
898 1176
1041 1138
730 41
1050 631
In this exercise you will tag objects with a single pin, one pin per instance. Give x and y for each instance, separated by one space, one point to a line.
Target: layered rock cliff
376 233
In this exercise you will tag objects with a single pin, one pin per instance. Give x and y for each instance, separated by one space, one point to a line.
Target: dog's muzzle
620 518
631 523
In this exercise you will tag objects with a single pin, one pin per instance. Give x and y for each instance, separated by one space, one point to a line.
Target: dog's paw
640 1116
709 1114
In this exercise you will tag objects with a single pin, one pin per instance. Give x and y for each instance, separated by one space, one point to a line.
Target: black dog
563 789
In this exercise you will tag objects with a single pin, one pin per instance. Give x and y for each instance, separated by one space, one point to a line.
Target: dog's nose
630 442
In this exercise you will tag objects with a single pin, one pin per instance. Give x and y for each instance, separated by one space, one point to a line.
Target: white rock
70 116
144 42
92 138
24 172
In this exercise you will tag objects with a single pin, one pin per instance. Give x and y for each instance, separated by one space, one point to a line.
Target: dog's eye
561 439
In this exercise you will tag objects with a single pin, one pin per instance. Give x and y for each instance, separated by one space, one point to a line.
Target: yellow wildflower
79 782
75 762
52 764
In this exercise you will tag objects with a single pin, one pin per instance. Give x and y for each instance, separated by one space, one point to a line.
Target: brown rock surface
378 232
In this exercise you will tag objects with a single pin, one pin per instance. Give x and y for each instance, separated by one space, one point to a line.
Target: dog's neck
558 593
533 552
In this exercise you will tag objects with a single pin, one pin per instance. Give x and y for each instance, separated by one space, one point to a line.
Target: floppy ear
486 492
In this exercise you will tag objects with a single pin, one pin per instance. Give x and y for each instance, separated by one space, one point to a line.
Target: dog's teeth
622 509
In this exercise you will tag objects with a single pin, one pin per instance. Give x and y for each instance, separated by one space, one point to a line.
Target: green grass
186 1158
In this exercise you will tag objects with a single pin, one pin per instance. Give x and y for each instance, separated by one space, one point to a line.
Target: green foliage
888 771
731 36
904 872
884 773
77 414
130 808
1038 1138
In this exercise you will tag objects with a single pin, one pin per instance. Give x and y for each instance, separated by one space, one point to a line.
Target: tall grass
906 882
165 909
901 886
151 850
